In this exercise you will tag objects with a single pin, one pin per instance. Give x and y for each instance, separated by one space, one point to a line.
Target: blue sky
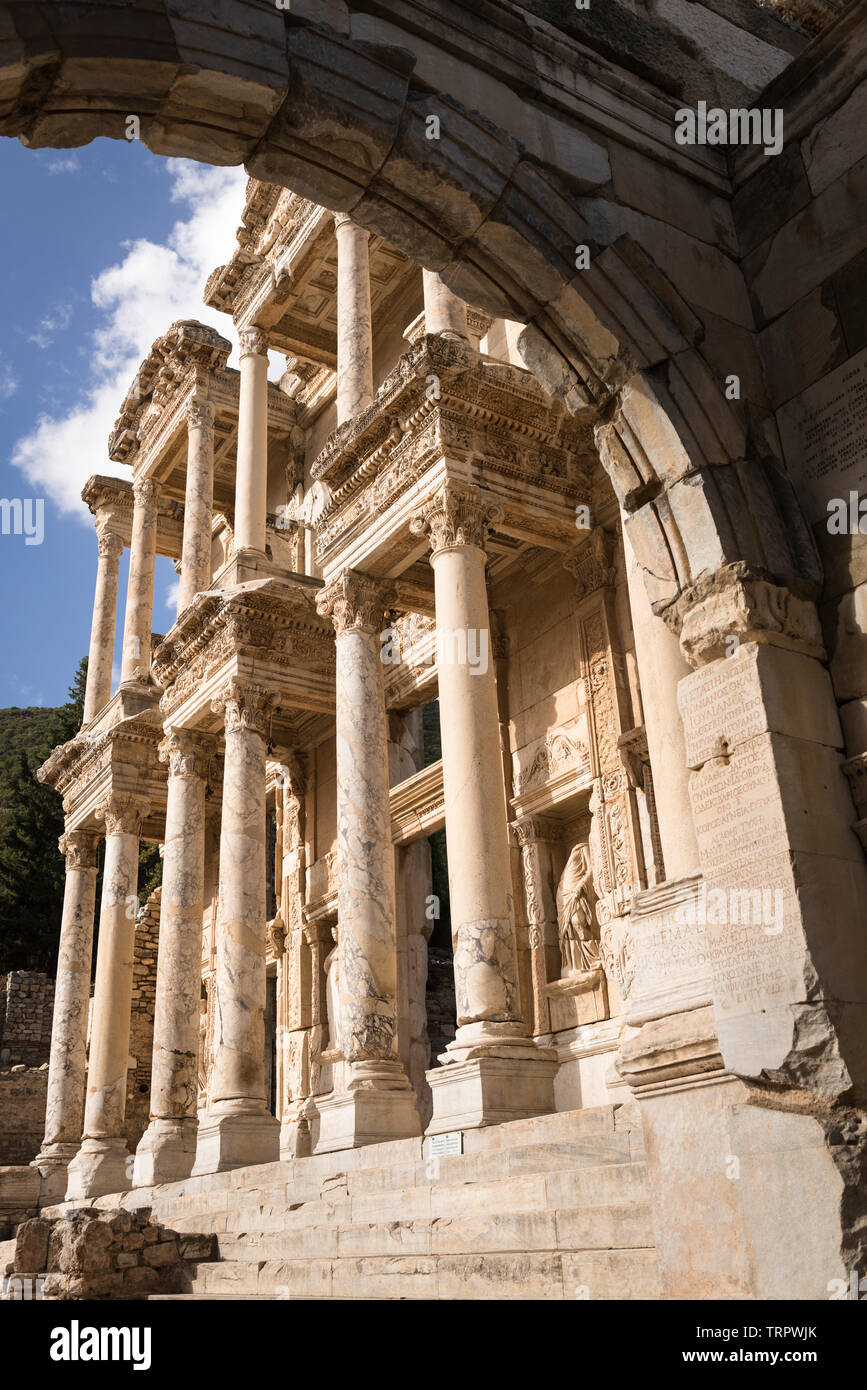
102 248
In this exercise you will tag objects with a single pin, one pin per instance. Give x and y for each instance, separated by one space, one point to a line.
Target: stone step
589 1274
594 1228
609 1185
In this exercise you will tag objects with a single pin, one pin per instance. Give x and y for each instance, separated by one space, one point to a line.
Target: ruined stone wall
142 1019
25 1018
22 1112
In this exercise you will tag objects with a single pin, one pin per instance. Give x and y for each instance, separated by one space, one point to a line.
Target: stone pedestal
135 664
354 330
378 1102
237 1128
167 1149
251 478
198 502
100 656
101 1164
67 1065
480 878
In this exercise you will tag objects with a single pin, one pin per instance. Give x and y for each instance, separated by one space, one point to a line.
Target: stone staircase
553 1207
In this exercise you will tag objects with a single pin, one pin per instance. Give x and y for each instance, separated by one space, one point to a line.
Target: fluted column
67 1065
444 312
100 656
135 665
168 1146
101 1163
379 1103
198 503
477 841
354 324
237 1128
251 477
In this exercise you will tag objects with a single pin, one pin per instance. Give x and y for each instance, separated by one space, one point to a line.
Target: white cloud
66 164
57 322
9 382
172 595
137 298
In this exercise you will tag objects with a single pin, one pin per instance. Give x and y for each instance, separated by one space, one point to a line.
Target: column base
489 1083
295 1136
52 1165
100 1166
378 1105
235 1139
166 1152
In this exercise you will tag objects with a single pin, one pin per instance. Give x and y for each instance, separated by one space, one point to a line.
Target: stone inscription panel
753 920
824 437
721 704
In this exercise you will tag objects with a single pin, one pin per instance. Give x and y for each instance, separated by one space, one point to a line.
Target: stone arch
347 123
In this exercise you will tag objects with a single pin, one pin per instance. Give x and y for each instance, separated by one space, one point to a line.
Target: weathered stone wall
25 1018
22 1112
141 1036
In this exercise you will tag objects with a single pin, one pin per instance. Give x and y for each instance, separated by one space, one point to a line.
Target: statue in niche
579 949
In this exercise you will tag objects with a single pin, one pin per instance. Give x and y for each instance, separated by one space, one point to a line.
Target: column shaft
238 1128
100 1165
251 478
198 503
135 664
99 661
661 665
68 1060
444 312
167 1148
354 324
380 1103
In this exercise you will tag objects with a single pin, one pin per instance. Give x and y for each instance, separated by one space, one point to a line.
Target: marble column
64 1110
101 654
661 666
444 312
198 503
237 1128
136 661
251 477
378 1102
354 324
102 1163
491 1039
167 1148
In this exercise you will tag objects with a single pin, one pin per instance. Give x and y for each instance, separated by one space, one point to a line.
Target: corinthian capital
80 849
254 342
123 813
146 492
200 414
457 516
355 602
187 753
246 705
109 545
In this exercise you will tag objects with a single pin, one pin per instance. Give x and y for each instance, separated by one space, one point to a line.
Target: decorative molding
200 415
457 517
187 752
253 341
80 848
246 705
592 562
123 813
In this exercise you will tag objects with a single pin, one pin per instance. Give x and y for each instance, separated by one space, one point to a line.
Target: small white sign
444 1145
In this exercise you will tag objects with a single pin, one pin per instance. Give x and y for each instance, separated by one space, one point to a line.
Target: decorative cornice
246 705
457 517
593 562
356 602
736 602
123 813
